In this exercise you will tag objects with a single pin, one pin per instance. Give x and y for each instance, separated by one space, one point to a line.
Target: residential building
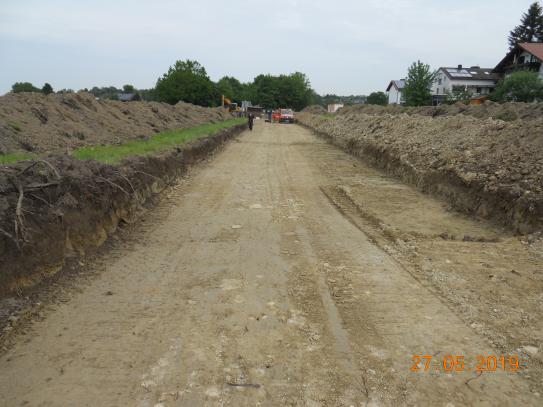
525 56
395 90
474 80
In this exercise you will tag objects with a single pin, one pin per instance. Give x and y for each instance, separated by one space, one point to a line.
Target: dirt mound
486 167
501 111
62 207
314 109
33 122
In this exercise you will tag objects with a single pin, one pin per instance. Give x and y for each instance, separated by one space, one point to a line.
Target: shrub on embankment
482 166
60 206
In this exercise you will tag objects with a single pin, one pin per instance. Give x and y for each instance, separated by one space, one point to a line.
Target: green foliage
129 89
377 98
19 87
13 158
523 86
186 81
530 28
106 92
47 89
346 100
15 126
457 94
114 154
231 88
417 85
288 91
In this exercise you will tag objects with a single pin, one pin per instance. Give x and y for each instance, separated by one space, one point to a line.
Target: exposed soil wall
485 167
33 122
61 207
502 111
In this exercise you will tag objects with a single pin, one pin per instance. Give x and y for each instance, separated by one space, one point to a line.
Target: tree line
189 82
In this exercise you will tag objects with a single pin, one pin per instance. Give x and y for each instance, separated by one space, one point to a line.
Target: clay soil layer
286 272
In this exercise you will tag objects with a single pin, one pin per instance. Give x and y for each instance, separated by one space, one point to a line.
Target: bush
377 98
521 86
19 87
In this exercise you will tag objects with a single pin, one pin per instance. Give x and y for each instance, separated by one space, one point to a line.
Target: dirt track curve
269 277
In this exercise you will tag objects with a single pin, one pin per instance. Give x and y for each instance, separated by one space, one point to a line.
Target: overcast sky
345 47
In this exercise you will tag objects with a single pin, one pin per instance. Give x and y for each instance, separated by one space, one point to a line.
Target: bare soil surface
33 122
286 272
482 166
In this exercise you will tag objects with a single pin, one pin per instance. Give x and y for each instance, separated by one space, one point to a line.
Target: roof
398 84
534 48
473 73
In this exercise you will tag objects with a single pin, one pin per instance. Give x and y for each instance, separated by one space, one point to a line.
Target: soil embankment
482 165
35 123
62 207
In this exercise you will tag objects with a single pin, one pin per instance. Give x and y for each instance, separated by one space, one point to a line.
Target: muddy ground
298 276
483 166
33 122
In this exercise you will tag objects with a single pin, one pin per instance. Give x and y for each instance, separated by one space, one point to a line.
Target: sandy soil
286 272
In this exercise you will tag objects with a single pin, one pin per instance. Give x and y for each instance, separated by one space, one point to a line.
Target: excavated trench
513 205
60 207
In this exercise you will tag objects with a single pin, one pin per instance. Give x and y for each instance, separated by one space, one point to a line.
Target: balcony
530 66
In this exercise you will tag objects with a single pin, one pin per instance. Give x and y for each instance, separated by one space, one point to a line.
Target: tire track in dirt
250 288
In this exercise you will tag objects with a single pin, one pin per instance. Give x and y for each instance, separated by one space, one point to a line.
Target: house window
478 90
440 81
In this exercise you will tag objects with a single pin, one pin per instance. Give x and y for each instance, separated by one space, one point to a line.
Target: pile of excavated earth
55 206
33 122
485 160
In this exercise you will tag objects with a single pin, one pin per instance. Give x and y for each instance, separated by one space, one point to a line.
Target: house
395 90
476 81
525 56
334 107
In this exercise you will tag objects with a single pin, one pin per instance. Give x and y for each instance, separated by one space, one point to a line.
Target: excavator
228 104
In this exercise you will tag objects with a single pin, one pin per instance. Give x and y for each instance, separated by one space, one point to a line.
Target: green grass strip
15 157
114 154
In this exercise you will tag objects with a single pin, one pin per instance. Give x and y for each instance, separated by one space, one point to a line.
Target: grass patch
327 116
15 157
15 126
114 154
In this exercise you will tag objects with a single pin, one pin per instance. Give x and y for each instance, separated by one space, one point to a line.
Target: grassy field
113 154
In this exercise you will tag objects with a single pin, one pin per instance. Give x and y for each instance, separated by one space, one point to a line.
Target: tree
418 83
129 89
530 28
377 98
186 81
19 87
457 94
523 86
231 88
47 89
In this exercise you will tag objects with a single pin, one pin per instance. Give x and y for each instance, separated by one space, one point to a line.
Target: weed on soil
114 154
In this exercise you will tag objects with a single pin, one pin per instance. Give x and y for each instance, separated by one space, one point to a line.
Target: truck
287 116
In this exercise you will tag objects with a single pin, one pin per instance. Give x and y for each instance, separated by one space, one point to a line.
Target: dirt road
285 272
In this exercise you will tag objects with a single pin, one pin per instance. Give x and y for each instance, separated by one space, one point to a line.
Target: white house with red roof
526 56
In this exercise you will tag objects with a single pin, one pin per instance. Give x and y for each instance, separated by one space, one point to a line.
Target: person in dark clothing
251 120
